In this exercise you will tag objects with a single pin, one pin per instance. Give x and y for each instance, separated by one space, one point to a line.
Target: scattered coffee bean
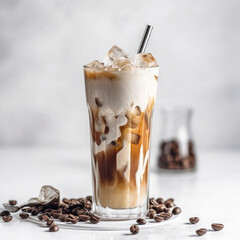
67 219
12 202
84 218
74 220
35 212
55 214
217 226
152 214
169 204
141 221
49 223
72 216
94 219
48 214
53 228
62 217
47 210
201 231
4 213
45 217
160 200
134 229
160 209
176 210
193 220
158 218
23 215
153 202
166 210
166 216
7 218
28 210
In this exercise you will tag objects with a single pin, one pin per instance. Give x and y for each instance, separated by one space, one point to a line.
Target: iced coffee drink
120 96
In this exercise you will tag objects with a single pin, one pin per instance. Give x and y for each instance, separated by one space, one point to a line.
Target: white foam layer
119 95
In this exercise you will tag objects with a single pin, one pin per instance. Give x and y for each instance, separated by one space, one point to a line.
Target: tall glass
120 105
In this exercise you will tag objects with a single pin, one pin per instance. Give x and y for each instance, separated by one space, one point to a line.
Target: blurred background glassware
176 148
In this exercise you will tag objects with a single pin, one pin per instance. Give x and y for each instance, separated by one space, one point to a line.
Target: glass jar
176 149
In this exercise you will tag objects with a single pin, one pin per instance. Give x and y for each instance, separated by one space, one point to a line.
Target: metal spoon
48 196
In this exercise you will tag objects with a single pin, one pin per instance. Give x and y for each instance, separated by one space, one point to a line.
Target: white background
43 45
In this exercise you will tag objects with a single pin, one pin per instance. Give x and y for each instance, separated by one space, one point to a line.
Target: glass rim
118 69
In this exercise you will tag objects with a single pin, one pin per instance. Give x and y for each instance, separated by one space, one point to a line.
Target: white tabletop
211 193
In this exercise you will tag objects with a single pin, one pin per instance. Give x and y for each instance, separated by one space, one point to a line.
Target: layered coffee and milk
120 95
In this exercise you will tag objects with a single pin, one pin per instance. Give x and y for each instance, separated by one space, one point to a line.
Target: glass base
120 214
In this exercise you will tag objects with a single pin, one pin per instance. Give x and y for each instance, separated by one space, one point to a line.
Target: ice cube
96 64
122 63
114 53
143 60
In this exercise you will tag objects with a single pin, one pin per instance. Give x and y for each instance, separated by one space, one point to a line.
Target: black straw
145 39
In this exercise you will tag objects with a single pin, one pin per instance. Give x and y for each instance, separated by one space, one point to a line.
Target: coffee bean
63 205
94 219
45 217
158 218
176 210
217 226
201 231
134 229
12 202
170 200
74 203
160 200
34 212
47 214
4 213
84 218
193 220
82 212
74 220
7 218
28 210
23 215
152 214
89 198
166 210
166 216
72 216
53 228
153 202
47 210
50 222
55 214
65 200
159 209
62 217
141 221
67 219
169 204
